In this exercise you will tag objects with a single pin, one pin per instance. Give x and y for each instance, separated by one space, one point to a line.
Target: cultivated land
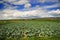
33 29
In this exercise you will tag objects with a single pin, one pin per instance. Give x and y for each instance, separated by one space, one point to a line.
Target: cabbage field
30 30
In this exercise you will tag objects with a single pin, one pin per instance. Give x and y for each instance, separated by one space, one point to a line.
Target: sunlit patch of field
30 30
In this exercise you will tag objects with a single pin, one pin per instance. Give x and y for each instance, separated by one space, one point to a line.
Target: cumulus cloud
16 2
55 13
36 12
27 5
11 14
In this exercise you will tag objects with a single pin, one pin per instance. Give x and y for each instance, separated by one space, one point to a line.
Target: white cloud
10 1
33 8
27 5
21 2
54 11
11 14
8 6
52 6
42 1
17 2
52 0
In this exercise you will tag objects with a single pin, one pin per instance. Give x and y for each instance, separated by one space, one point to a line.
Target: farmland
30 30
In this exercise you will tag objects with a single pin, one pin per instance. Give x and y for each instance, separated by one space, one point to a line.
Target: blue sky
12 9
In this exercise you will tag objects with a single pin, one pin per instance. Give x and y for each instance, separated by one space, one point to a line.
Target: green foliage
35 30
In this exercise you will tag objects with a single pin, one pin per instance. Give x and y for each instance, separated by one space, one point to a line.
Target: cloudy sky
12 9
